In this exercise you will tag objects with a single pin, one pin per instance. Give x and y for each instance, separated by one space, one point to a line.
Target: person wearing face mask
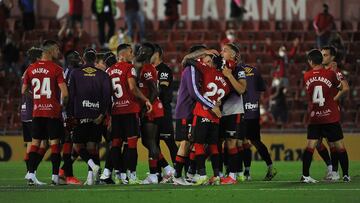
323 24
282 57
120 37
230 38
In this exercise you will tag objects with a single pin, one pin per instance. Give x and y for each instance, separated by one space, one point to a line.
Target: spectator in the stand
133 14
28 15
282 57
172 11
278 104
11 53
237 10
120 37
337 42
323 24
73 37
104 10
230 38
5 7
75 12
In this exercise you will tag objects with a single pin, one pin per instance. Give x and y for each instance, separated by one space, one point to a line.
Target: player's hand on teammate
227 72
99 119
216 110
148 106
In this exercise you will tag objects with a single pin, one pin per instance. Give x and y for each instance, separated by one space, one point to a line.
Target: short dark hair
158 49
109 59
315 56
33 54
332 50
47 44
72 57
149 45
122 47
197 48
89 55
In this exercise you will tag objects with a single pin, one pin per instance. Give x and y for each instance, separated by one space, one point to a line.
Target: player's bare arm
64 94
344 89
238 85
138 94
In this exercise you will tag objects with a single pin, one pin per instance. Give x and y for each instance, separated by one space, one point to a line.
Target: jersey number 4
318 96
41 88
213 91
117 87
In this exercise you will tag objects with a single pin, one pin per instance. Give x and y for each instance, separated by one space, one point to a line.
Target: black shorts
166 128
250 129
26 127
86 132
47 128
124 126
230 126
183 128
205 131
331 131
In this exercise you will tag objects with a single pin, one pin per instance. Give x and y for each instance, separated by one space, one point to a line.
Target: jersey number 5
213 91
43 86
318 97
117 87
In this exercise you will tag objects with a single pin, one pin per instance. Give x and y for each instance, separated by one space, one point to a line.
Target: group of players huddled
126 96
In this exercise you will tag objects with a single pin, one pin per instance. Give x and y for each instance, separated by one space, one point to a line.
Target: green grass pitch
284 188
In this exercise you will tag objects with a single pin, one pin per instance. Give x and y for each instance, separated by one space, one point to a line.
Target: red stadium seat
178 36
281 25
309 37
198 25
348 119
181 25
213 36
248 26
346 26
215 25
297 26
261 36
231 25
245 36
196 37
356 36
265 26
163 36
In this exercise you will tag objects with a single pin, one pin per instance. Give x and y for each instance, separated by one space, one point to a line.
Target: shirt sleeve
72 87
106 94
192 84
60 78
335 79
239 73
26 78
131 73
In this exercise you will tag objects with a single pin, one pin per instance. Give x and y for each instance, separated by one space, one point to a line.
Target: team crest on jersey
89 71
133 72
241 74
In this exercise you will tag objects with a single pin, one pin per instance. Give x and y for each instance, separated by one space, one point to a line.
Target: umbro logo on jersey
89 70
